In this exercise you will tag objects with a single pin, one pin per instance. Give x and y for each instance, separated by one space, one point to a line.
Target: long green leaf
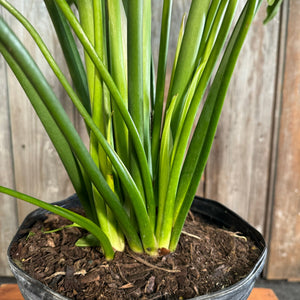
135 82
164 166
211 17
212 27
85 101
187 57
135 63
85 9
207 124
160 84
178 47
59 115
147 59
118 70
189 97
118 164
209 65
70 52
181 144
272 10
106 218
61 145
142 159
65 213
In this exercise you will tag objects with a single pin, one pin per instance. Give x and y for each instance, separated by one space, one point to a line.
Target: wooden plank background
8 211
241 171
284 257
237 172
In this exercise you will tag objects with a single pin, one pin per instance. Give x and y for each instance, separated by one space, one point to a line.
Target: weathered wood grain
237 171
8 211
276 121
284 257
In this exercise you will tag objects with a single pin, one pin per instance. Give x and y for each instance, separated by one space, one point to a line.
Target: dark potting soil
207 259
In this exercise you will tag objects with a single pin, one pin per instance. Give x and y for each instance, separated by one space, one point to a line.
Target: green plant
140 175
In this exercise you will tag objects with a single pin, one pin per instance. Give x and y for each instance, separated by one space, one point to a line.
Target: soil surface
207 259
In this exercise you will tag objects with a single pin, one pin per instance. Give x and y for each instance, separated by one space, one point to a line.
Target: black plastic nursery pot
217 213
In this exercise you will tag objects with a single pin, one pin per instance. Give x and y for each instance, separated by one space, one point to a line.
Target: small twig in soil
237 235
192 216
192 251
127 286
234 234
152 266
81 272
191 235
122 275
55 274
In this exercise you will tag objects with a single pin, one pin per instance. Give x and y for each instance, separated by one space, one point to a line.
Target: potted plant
138 180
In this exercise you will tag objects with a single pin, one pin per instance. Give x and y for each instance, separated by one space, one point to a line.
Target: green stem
160 84
70 51
135 81
147 59
135 64
118 70
86 14
187 57
164 167
106 219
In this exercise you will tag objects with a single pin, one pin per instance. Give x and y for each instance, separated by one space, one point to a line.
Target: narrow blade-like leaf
207 124
70 215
